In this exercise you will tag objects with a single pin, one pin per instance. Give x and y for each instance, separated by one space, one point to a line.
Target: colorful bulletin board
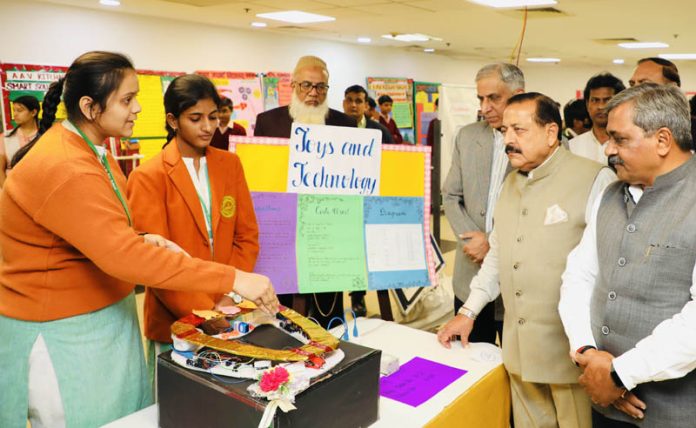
149 128
401 91
276 89
424 107
244 89
333 242
25 79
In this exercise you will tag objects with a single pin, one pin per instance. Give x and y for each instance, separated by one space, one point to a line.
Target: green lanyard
105 164
206 210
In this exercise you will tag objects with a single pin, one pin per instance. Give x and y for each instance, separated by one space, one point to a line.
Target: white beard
310 115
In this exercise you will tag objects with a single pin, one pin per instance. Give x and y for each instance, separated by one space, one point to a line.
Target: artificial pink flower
272 379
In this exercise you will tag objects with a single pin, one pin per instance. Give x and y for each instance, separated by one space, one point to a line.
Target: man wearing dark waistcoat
539 218
627 300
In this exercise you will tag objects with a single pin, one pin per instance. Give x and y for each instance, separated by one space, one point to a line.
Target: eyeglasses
306 86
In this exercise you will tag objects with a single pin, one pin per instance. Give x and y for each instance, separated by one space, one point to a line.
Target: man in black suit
355 105
310 84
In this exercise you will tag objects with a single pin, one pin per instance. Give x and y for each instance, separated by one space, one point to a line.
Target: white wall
45 33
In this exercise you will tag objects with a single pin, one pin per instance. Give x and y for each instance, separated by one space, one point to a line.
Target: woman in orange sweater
195 195
71 351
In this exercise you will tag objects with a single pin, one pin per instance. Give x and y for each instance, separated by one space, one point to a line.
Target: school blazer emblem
228 206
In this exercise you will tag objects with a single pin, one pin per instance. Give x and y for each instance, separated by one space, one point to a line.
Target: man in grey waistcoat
539 218
473 184
627 300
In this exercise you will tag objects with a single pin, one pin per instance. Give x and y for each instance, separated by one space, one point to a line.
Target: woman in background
71 352
26 117
196 196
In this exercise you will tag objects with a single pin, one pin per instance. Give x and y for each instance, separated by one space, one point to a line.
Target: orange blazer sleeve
246 230
147 200
83 211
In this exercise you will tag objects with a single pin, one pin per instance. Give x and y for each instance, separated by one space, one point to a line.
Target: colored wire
345 326
518 46
355 321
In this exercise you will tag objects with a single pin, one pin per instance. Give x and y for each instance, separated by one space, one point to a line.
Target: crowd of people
588 243
575 250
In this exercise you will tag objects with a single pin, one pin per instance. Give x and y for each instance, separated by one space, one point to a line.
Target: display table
480 398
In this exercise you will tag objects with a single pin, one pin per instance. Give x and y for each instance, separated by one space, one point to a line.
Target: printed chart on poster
424 108
338 211
26 79
277 89
401 91
244 89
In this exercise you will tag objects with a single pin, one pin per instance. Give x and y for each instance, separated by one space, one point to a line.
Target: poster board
400 89
27 79
424 107
277 89
245 91
458 108
313 242
149 129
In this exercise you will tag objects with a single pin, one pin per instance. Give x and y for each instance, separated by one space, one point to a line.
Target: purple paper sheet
418 381
276 214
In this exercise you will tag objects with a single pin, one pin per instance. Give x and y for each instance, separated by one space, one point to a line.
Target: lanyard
105 164
207 210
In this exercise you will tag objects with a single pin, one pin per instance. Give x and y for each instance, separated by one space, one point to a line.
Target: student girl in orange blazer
196 196
70 347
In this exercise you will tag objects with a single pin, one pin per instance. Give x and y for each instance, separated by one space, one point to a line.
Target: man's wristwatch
467 312
615 377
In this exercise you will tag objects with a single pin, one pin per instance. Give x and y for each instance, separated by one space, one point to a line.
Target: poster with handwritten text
334 160
277 219
395 242
330 254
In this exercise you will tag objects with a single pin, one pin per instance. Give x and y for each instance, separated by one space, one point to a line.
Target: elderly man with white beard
310 85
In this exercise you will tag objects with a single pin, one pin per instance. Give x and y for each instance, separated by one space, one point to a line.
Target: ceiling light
514 3
110 2
678 56
416 37
364 40
541 59
296 17
618 61
429 50
643 45
259 24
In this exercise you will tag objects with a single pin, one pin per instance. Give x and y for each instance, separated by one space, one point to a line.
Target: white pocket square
555 215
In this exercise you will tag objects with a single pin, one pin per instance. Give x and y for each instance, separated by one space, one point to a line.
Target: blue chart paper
395 242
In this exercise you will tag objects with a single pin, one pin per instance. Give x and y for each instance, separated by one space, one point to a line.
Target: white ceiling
467 30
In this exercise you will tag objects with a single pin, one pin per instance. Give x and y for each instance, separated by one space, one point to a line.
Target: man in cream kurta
538 220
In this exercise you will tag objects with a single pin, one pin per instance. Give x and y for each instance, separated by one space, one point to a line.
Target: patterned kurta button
631 228
622 261
605 330
612 295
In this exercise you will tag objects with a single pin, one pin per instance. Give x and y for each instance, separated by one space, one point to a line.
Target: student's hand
475 245
459 325
258 289
224 301
160 241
